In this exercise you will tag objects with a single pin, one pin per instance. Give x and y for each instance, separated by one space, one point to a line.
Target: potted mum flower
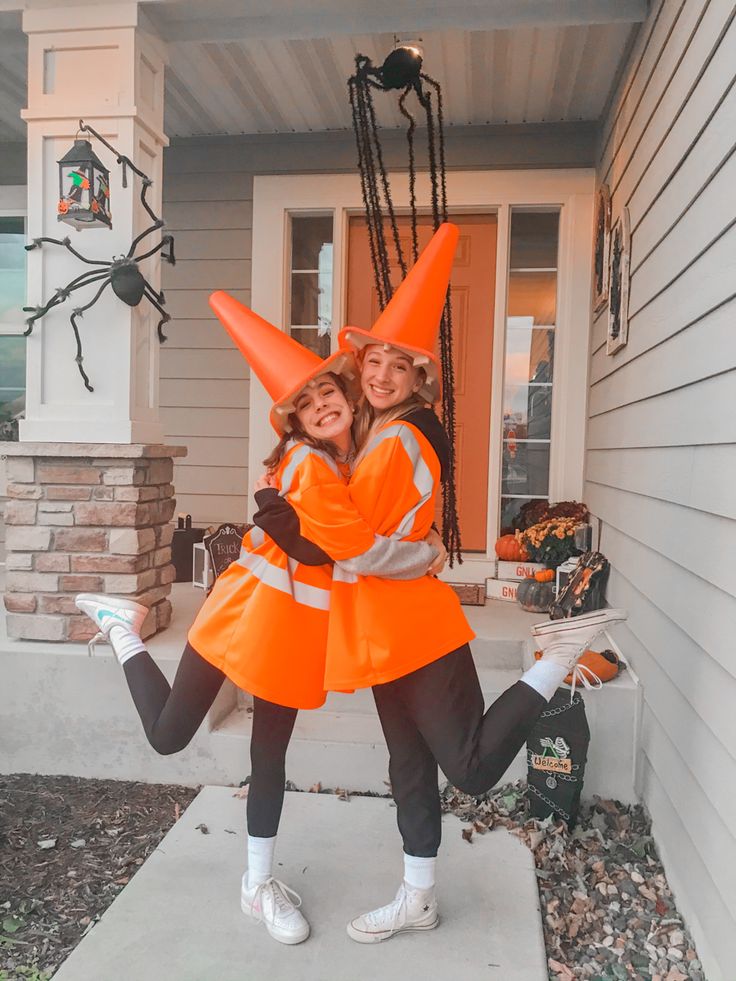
550 542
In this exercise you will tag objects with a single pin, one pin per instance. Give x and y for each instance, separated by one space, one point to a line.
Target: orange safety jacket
381 629
265 622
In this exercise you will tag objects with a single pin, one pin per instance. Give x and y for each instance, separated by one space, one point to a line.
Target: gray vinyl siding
661 459
208 198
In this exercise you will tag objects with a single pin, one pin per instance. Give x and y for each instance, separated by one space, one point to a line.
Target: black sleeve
430 426
281 522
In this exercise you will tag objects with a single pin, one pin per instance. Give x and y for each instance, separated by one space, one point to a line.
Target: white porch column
99 63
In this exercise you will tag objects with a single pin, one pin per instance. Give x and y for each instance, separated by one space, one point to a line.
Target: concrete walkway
179 919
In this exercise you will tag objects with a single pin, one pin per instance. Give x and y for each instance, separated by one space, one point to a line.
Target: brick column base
86 518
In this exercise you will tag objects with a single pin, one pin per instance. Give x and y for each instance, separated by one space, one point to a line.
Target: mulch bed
68 846
608 913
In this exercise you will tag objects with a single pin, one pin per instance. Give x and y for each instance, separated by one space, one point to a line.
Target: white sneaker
110 611
277 907
413 909
564 641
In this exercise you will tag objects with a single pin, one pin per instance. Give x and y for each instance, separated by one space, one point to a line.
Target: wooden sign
223 546
470 593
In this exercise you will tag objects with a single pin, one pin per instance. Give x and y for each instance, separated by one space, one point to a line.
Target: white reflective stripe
297 458
423 480
342 575
257 537
280 579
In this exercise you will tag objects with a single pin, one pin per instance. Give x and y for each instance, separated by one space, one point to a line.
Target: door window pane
529 360
309 317
529 411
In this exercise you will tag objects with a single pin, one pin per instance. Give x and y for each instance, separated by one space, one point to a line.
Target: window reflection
310 295
529 360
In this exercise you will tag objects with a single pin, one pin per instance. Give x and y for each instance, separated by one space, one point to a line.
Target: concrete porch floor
179 918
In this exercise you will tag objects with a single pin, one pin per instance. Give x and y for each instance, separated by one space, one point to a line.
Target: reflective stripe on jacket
382 629
265 622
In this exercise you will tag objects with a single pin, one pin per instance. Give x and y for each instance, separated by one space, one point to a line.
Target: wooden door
473 284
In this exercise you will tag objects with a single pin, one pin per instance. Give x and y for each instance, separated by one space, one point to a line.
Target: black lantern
84 188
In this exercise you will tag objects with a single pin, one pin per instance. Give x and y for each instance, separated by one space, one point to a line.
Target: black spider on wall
121 272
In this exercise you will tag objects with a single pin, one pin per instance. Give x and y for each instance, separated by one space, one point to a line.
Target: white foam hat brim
340 363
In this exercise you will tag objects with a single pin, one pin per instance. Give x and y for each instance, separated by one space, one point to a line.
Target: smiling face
323 412
388 376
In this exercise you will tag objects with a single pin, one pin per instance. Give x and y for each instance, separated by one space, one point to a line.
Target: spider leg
63 293
67 243
154 297
73 320
169 257
158 223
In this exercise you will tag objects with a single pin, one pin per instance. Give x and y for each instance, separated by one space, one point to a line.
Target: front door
473 284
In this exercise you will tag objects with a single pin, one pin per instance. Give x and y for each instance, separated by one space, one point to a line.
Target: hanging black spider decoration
121 272
402 70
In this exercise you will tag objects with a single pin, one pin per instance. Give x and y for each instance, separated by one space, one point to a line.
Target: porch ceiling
277 69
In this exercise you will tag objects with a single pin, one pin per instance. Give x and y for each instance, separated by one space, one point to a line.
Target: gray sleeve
391 559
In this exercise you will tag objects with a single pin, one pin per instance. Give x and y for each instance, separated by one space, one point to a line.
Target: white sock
419 872
260 859
125 643
545 677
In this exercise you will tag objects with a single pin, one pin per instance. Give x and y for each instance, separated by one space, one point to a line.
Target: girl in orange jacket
246 628
409 640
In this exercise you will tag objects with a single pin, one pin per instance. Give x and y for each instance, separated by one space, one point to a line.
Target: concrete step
339 745
493 681
50 689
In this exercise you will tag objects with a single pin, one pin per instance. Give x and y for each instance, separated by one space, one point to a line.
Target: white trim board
277 196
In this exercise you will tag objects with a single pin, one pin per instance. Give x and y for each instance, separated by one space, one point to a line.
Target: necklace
348 458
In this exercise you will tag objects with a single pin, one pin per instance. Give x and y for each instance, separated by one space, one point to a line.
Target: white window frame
275 197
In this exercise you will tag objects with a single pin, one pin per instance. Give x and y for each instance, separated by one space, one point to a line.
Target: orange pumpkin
510 549
545 575
605 664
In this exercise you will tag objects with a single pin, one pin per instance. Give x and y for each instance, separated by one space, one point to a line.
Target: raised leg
474 748
172 715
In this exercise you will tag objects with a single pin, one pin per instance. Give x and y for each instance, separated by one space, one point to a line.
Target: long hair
368 421
276 455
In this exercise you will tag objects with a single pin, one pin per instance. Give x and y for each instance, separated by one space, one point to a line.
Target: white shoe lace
281 895
387 917
100 636
586 677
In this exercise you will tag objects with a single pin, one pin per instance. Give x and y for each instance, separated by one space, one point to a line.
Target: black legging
435 716
172 715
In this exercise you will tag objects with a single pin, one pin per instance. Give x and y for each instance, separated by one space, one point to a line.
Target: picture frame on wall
617 334
601 247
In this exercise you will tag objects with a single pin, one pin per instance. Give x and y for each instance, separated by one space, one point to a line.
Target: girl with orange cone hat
264 625
409 640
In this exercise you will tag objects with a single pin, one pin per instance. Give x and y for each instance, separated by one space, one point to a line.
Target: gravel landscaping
68 846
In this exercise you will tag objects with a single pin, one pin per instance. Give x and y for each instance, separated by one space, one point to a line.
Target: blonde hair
277 454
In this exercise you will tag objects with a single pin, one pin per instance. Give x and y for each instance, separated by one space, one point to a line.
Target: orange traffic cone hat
411 320
283 365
